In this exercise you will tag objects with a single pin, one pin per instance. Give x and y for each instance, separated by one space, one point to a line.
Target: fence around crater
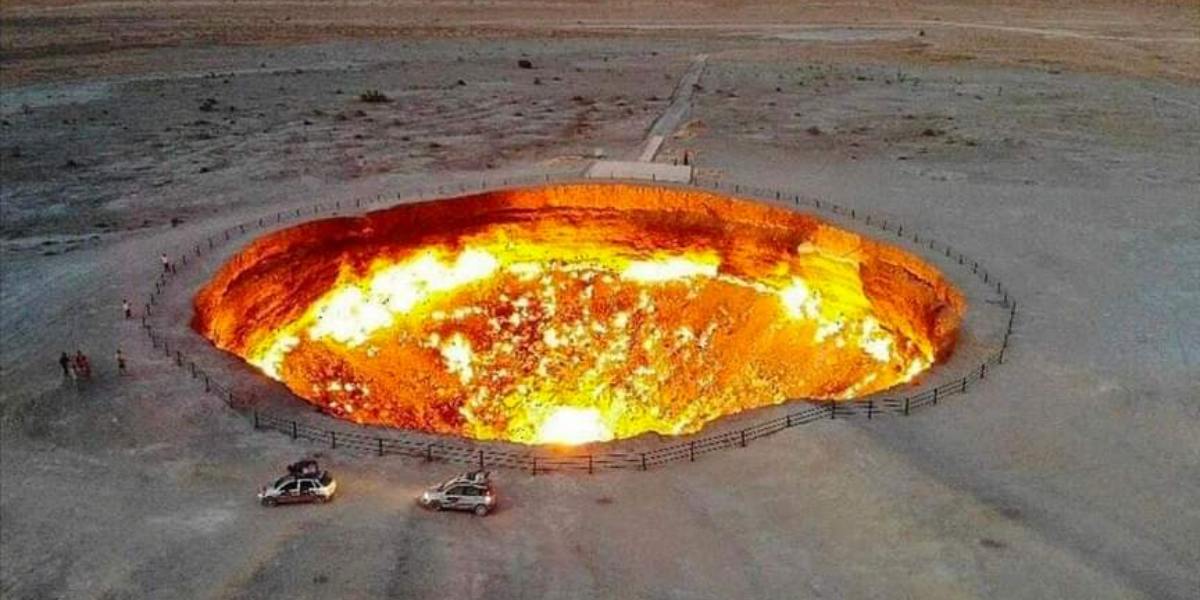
536 460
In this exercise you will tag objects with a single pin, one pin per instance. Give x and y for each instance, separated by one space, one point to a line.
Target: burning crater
575 313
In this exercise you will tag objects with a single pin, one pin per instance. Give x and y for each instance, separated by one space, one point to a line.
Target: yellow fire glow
550 332
571 425
360 309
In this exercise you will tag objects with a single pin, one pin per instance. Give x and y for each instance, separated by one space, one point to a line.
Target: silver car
470 491
315 487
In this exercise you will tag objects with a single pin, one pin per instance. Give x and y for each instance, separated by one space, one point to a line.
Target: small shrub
374 97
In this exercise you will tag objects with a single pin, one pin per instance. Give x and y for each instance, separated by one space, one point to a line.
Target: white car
289 489
471 491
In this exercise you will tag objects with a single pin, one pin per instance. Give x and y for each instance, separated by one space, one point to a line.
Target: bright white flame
572 425
875 340
351 314
799 301
457 354
272 359
668 269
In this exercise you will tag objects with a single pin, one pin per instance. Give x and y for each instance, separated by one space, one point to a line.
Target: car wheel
435 505
269 502
481 509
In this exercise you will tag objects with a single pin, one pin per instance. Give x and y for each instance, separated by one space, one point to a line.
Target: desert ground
1059 142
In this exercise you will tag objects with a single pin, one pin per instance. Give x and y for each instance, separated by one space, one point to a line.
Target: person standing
166 262
64 361
121 368
127 308
82 368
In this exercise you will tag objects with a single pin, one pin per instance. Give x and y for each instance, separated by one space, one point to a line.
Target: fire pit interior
576 313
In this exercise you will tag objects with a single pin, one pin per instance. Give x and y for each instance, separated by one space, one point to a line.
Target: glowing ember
576 313
570 425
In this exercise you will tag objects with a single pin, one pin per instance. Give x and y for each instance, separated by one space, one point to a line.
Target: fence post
643 461
789 420
481 459
832 410
206 384
692 451
428 452
870 409
906 406
964 386
193 370
178 358
294 432
983 371
332 439
589 464
743 438
534 472
379 444
935 396
256 419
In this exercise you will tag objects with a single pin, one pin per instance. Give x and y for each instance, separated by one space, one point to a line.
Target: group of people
77 367
80 366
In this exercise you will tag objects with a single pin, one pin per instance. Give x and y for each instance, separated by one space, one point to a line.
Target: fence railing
534 460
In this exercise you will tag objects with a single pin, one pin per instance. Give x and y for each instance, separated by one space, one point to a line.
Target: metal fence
540 461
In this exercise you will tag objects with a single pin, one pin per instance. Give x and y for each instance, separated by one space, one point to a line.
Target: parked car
470 491
289 489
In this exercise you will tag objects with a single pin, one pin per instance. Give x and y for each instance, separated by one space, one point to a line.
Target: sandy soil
1065 156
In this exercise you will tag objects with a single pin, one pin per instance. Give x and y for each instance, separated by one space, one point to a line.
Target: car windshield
282 480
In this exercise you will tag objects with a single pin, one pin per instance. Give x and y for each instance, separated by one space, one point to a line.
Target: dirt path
672 117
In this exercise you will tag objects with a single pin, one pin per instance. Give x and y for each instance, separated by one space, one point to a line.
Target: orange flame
577 313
